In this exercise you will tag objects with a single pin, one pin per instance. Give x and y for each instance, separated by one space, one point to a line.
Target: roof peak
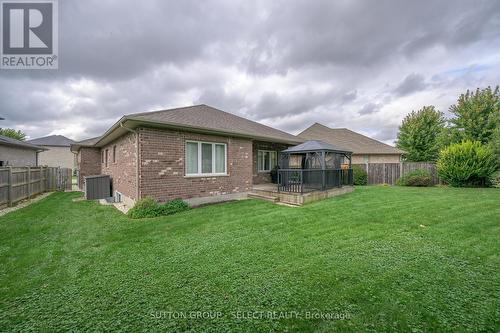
201 106
52 140
201 117
357 142
169 109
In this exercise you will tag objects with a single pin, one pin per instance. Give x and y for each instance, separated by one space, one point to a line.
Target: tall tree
476 115
12 133
419 134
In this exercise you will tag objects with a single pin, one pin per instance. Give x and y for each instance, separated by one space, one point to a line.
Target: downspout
138 192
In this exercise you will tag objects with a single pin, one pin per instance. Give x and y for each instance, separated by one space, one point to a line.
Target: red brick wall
162 168
264 177
89 163
123 171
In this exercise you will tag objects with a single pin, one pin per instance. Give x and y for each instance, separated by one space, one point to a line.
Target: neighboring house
365 149
18 153
57 151
188 153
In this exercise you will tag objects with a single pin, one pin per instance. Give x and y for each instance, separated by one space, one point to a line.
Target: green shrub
360 176
468 163
145 207
174 206
148 207
416 178
495 179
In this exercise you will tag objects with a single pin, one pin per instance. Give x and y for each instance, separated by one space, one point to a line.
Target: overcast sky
357 64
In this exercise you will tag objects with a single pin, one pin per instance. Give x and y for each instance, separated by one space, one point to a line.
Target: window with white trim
266 160
205 158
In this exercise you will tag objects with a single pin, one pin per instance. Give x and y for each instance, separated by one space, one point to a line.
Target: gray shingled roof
315 145
355 142
5 140
87 142
52 140
208 118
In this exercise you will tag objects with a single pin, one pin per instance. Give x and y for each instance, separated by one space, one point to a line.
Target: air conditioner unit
97 187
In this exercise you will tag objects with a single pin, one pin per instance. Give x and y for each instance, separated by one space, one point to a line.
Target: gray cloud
412 83
327 33
286 63
369 108
350 96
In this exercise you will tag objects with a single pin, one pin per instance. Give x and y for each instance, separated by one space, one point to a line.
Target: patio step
264 192
263 197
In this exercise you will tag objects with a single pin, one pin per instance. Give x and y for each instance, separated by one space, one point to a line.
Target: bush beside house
468 163
360 176
148 207
416 178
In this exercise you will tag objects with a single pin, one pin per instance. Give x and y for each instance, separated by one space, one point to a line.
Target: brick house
197 153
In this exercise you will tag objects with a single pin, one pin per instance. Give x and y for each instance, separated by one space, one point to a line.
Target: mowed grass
385 258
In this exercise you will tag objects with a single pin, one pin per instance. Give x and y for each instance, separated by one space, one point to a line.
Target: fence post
384 174
42 179
29 182
9 189
59 179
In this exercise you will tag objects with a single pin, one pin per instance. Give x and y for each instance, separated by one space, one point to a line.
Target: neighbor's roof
315 145
5 140
52 140
355 142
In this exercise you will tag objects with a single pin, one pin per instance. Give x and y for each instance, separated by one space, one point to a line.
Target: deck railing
303 180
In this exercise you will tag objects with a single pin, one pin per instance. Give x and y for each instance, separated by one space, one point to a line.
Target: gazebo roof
315 145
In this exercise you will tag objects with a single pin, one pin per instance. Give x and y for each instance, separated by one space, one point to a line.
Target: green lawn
387 258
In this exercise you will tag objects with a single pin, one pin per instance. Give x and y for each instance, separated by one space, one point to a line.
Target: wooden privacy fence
389 173
18 183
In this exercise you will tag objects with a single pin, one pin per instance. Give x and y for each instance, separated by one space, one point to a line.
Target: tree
476 115
12 133
419 134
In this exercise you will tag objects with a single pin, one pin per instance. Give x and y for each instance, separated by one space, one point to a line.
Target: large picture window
205 158
266 160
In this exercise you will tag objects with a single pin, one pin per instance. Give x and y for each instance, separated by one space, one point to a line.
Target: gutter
138 192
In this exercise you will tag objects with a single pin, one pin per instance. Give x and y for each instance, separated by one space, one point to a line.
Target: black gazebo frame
320 167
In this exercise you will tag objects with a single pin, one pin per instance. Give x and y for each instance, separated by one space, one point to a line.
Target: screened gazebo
314 165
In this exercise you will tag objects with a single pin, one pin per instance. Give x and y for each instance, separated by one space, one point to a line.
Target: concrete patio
269 192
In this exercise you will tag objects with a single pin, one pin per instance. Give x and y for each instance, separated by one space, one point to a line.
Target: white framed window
266 160
206 158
